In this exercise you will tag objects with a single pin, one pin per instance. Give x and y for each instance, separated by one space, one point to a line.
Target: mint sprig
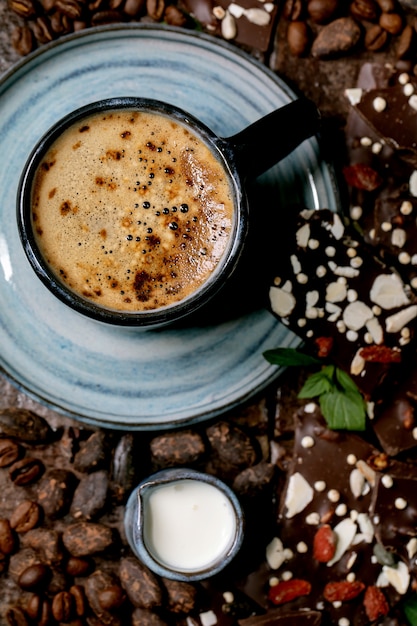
410 609
341 402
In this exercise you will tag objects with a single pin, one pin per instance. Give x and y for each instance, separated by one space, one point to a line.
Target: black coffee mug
242 156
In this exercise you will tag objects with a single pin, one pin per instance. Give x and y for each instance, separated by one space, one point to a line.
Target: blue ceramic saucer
114 377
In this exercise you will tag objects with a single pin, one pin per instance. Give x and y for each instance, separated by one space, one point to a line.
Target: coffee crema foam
132 210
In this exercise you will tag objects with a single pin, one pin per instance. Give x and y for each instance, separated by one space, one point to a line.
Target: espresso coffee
132 210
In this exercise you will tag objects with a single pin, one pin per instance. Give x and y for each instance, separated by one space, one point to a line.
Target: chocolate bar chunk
392 113
346 304
324 534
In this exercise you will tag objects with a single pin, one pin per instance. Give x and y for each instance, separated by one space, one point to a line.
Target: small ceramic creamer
183 524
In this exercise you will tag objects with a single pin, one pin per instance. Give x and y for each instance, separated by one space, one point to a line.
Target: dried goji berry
380 354
343 590
324 544
362 176
324 346
287 590
375 603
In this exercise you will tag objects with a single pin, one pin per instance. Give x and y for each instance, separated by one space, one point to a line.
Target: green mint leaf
410 609
345 381
343 409
316 385
289 357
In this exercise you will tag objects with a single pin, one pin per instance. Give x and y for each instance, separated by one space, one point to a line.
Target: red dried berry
375 603
324 544
288 590
380 354
343 590
324 346
362 176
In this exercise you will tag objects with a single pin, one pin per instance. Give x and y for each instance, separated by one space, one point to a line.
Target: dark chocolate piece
344 302
274 618
330 486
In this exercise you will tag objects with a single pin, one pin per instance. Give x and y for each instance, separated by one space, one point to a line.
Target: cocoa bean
96 584
336 38
46 542
178 448
182 596
24 425
93 453
86 538
90 496
232 448
55 492
144 617
141 585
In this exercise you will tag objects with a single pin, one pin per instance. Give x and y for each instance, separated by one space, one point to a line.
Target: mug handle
271 138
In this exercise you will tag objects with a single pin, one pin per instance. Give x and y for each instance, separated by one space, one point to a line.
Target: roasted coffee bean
10 451
15 616
111 597
63 606
77 566
24 425
293 10
48 5
26 516
55 492
7 537
406 43
387 6
26 471
116 4
174 16
375 38
86 538
90 496
365 10
98 582
141 585
60 23
80 602
24 8
155 9
134 8
106 17
321 11
39 610
42 30
71 8
298 37
34 577
391 22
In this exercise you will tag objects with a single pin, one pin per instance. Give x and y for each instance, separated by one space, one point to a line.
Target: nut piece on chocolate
344 302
